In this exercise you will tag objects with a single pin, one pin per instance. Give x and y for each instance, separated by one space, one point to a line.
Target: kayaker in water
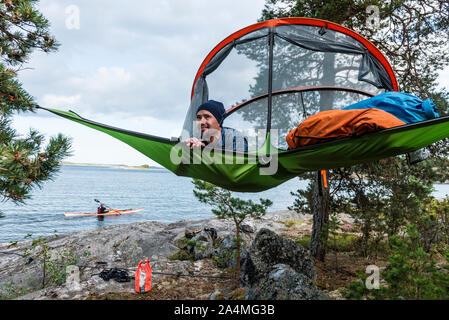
102 209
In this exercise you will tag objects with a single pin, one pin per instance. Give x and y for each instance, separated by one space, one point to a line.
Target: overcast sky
126 64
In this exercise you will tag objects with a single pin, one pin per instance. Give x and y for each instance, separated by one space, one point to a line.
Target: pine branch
24 162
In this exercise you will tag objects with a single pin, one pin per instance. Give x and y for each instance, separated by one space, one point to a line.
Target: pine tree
25 162
227 207
413 35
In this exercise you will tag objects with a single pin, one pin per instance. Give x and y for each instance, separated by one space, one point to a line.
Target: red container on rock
143 277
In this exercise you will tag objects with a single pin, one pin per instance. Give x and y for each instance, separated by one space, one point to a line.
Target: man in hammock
209 119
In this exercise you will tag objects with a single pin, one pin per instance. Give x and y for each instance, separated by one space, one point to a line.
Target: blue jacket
232 139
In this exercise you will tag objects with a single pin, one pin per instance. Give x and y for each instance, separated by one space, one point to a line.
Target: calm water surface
165 197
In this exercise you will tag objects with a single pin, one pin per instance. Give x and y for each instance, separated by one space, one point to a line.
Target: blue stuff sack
404 106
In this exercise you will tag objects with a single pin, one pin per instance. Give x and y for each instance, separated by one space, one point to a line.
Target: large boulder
284 283
278 268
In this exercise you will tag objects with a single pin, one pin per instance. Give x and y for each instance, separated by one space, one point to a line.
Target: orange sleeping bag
336 124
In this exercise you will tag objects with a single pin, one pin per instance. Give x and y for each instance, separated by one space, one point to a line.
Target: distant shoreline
115 166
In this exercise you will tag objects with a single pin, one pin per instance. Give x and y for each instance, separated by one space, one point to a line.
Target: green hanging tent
273 75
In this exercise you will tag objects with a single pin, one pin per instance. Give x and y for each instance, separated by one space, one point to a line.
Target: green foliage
356 289
341 242
433 225
303 240
292 223
24 162
381 197
22 29
334 226
411 274
224 206
303 200
332 229
238 294
412 34
11 291
182 255
385 195
24 165
54 263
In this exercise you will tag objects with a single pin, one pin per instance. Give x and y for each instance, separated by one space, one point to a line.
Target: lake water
165 197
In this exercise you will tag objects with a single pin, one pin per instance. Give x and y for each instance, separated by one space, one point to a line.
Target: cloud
132 65
54 101
129 65
104 80
140 59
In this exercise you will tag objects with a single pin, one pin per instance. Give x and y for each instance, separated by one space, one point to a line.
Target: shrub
411 274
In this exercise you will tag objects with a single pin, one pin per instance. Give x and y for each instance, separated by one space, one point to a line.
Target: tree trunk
318 241
237 227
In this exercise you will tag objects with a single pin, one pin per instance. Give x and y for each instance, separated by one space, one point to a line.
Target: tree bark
318 241
237 228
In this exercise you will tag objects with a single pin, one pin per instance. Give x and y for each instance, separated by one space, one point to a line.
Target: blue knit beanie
215 107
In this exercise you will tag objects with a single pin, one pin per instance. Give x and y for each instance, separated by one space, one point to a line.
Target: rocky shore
273 267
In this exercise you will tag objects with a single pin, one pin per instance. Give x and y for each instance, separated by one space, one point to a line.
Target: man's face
206 121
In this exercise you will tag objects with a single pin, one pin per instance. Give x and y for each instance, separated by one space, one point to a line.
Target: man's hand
194 143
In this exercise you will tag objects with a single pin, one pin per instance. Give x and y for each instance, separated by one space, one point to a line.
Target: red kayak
114 212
